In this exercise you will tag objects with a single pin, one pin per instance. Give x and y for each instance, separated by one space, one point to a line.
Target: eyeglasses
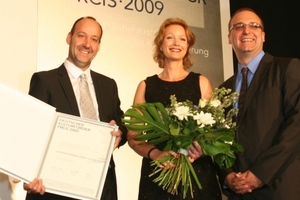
242 26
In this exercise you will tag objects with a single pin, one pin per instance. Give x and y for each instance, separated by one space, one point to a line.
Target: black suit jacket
269 130
54 87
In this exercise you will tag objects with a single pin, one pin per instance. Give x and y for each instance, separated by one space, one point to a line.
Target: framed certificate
69 153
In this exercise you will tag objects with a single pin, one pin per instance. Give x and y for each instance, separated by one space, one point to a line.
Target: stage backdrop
129 28
126 48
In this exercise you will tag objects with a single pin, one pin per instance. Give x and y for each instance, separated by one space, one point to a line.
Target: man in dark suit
268 126
60 88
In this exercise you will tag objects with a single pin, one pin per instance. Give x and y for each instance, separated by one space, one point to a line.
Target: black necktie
243 90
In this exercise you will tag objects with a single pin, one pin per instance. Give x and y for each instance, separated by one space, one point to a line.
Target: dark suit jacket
269 129
54 87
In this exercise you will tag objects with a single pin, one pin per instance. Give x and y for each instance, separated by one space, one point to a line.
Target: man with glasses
268 124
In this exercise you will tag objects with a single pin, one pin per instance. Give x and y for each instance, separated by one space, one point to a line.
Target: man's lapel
257 80
68 90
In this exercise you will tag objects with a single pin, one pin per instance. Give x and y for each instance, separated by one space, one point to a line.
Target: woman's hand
157 154
195 151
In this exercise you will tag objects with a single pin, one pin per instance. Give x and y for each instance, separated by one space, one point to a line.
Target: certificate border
103 171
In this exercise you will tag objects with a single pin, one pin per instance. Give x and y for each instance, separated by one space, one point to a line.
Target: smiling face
246 41
84 43
175 43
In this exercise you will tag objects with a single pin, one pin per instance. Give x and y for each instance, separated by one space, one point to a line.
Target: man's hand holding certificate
70 154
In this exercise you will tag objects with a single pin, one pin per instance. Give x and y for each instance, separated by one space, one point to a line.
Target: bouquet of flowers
181 124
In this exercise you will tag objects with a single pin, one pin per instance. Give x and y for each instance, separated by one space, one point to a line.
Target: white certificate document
69 153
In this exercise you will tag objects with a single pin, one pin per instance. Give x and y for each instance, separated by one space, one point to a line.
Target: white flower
226 126
204 119
202 103
182 112
215 103
229 142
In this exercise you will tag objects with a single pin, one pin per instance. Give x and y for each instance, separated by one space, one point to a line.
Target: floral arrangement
181 124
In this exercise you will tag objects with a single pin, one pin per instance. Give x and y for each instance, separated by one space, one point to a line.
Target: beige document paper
69 153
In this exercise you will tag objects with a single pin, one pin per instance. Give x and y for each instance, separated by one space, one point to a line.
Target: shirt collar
253 64
76 71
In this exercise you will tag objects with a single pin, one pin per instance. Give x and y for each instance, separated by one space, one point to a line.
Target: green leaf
145 117
159 140
222 135
213 148
147 136
174 129
163 112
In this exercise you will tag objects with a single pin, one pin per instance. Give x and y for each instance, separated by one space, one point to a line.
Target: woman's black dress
158 90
